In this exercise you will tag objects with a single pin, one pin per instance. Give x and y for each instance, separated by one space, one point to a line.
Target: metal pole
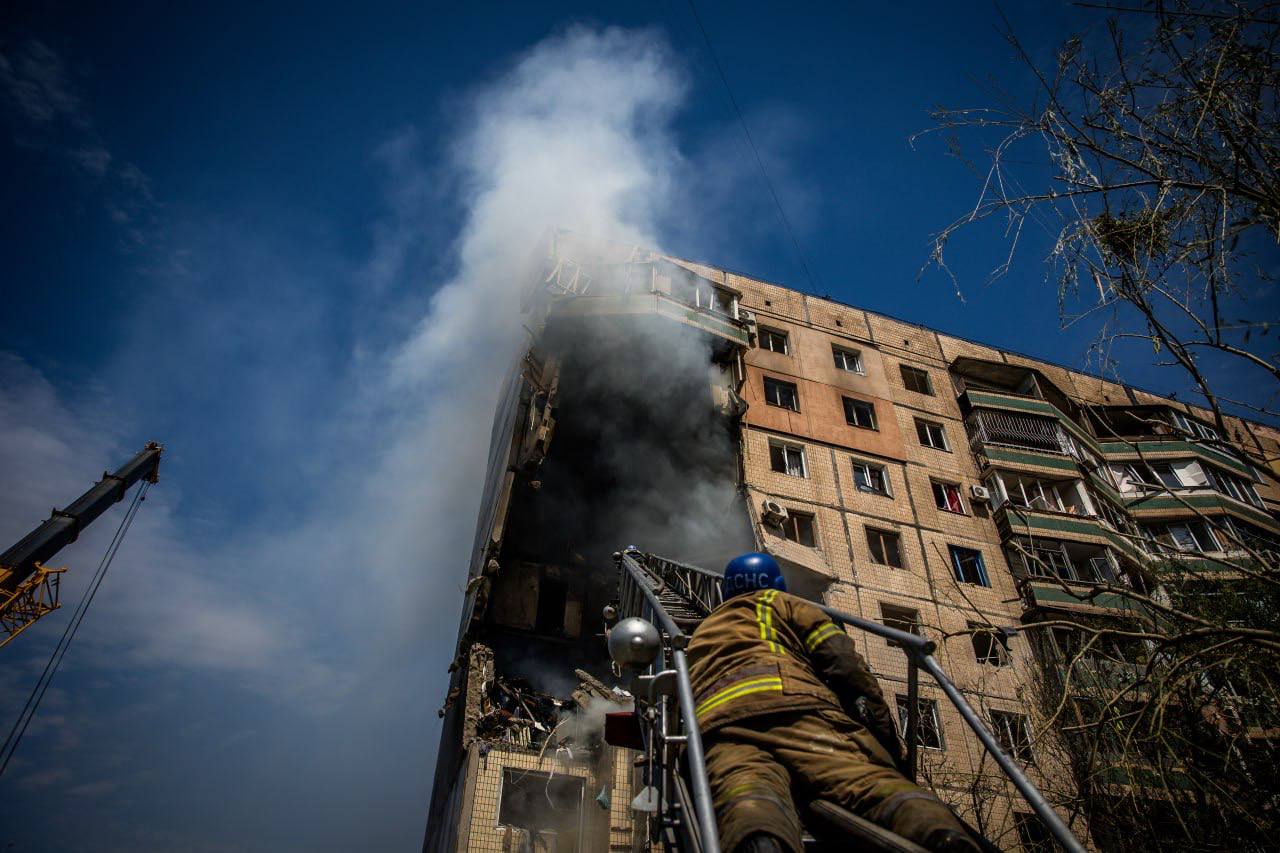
1029 791
697 761
913 715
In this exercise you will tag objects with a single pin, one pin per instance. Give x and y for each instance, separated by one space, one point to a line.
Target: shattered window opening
781 394
931 434
774 341
849 360
947 497
859 413
903 618
885 547
915 379
787 459
799 528
929 727
870 477
541 812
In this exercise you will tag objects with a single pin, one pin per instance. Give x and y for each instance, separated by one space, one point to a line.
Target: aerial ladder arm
29 589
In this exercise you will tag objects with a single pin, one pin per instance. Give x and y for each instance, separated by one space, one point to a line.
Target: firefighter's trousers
754 765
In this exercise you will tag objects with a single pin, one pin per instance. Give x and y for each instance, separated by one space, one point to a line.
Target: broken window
781 394
885 547
1192 535
786 459
798 527
931 434
870 477
541 812
947 496
859 413
915 379
990 645
968 566
903 618
928 727
847 359
774 341
1013 733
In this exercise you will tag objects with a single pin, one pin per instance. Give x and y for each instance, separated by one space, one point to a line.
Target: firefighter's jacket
769 651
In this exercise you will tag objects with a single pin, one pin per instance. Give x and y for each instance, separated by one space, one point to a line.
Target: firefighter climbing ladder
675 597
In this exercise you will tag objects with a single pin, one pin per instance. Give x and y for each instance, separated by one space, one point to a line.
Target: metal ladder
675 597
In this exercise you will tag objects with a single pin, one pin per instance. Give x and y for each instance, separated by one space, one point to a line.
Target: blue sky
274 239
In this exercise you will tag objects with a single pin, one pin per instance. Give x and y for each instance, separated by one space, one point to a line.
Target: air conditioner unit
980 493
774 512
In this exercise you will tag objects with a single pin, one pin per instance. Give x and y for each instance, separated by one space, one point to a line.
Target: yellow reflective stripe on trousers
820 635
764 616
771 684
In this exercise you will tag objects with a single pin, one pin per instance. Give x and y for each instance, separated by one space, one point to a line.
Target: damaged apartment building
896 473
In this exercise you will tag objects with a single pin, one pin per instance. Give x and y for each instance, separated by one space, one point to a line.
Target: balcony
992 428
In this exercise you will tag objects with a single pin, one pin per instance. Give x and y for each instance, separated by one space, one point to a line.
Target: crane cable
59 652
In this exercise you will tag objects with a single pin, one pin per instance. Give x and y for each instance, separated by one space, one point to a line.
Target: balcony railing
987 426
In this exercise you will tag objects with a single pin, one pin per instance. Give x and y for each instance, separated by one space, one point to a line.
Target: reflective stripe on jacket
770 651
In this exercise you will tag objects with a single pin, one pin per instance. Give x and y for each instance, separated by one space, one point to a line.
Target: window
885 547
859 413
915 379
990 645
798 527
1013 734
1033 834
781 394
787 459
1233 486
1044 560
947 496
870 477
1192 535
773 340
1194 428
902 618
968 566
931 434
847 359
538 804
928 729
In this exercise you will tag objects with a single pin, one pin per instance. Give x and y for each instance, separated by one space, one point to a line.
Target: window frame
935 485
957 570
787 447
884 477
791 523
910 624
917 375
772 336
851 405
1019 744
859 367
998 643
782 384
922 429
928 711
895 537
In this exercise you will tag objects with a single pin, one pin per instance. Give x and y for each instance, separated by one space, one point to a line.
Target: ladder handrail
705 814
919 653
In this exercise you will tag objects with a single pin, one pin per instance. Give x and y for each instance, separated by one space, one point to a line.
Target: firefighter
785 703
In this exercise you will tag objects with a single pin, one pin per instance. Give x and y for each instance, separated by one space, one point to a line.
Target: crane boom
28 589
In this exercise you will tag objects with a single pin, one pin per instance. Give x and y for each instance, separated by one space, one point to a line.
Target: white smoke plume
322 601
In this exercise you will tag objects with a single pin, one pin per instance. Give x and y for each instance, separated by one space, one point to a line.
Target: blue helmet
750 572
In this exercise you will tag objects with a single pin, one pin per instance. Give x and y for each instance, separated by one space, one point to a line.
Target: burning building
927 482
